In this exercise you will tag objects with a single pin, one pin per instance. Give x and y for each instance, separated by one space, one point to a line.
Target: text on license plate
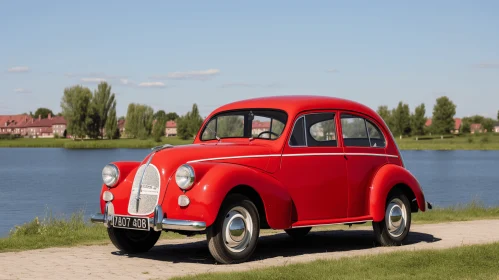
129 222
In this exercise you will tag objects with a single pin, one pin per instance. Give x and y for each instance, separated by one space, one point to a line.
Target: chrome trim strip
234 157
296 155
343 223
140 182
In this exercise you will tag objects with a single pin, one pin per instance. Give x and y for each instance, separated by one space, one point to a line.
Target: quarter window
359 132
298 135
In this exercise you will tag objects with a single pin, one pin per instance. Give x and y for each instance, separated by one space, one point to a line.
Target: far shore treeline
93 115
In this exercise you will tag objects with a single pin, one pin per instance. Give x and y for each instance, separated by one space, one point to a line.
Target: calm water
65 181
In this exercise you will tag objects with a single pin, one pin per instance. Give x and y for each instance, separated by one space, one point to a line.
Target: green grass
89 144
465 262
58 232
489 141
75 230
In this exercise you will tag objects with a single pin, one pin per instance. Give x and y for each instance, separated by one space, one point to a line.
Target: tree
158 129
183 127
93 120
160 115
419 120
195 120
488 124
443 115
75 106
139 121
43 112
112 131
171 116
384 113
401 119
102 101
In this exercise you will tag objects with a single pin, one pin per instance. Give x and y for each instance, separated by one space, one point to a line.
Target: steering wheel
269 132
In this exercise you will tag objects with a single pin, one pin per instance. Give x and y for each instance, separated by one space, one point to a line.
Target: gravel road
190 255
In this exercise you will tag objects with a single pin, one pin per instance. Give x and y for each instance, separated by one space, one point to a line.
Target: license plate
129 222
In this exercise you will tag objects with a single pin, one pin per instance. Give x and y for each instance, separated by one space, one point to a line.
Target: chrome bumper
157 222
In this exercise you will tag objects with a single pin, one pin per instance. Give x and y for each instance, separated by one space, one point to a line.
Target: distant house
476 128
457 125
26 126
259 127
171 128
496 127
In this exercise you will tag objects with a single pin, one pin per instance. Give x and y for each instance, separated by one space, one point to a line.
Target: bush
470 139
485 139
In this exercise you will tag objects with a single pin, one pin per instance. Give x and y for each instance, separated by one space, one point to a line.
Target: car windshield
257 123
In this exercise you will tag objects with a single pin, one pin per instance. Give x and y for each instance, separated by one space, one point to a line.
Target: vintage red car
288 162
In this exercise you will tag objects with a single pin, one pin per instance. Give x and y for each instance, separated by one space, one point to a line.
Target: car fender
387 177
125 168
215 180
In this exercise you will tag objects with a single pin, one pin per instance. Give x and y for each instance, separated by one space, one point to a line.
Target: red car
289 162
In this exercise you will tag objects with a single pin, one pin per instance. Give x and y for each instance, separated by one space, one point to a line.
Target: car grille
149 192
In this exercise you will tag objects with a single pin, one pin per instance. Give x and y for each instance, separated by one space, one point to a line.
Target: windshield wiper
214 132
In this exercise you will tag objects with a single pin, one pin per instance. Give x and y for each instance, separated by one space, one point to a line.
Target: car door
313 168
364 147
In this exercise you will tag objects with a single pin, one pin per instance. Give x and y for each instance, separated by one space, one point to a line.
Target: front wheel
133 241
233 236
394 228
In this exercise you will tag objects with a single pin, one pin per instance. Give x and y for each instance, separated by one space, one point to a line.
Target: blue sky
169 54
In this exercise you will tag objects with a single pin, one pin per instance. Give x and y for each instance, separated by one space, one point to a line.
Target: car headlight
110 175
185 177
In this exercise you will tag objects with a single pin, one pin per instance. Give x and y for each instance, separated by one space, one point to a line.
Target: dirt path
190 256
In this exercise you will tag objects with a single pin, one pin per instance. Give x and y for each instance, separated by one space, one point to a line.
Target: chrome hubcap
396 217
237 229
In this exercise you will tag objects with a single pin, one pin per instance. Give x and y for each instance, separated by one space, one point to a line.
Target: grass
465 262
489 141
89 144
75 230
59 232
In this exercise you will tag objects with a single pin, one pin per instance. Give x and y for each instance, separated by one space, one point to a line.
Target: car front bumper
158 222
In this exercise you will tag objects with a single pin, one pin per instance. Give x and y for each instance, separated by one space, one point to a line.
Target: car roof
294 104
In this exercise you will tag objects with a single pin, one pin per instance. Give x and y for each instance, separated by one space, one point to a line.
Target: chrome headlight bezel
110 175
185 177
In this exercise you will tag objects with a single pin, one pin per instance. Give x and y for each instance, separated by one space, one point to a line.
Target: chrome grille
149 191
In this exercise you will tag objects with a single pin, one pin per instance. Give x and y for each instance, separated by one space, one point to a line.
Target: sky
171 54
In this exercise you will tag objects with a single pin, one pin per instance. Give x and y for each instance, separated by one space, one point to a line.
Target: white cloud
487 65
22 90
126 82
332 71
93 80
190 75
18 69
152 84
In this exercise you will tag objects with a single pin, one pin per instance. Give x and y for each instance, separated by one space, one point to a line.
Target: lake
33 180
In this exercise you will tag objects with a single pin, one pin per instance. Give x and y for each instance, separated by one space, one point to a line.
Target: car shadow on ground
278 245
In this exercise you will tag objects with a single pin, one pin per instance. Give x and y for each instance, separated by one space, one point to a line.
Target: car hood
251 155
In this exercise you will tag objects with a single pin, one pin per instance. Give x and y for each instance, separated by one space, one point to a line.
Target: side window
321 130
375 135
298 136
354 131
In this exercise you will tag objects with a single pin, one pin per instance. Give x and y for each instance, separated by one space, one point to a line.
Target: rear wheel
133 241
394 228
298 233
233 236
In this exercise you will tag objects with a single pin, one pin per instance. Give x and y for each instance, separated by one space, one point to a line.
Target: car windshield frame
273 114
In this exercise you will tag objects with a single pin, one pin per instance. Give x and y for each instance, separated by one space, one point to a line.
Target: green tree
131 121
158 129
112 131
466 125
75 105
139 121
159 115
419 120
488 124
498 115
43 112
195 120
385 114
171 116
183 127
102 101
443 115
93 120
401 119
